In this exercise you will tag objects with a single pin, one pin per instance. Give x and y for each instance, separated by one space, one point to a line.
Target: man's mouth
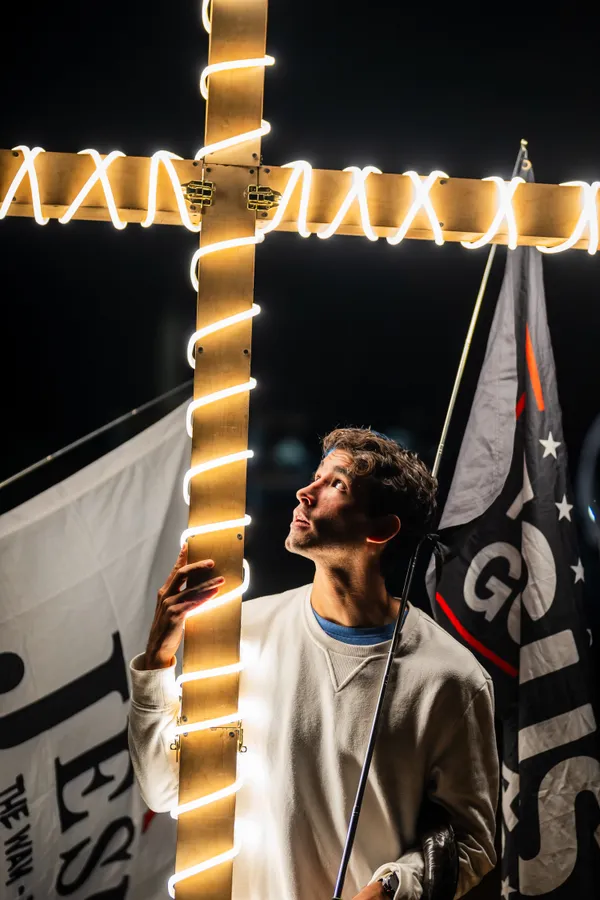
300 520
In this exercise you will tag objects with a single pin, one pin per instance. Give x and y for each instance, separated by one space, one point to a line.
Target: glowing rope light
223 598
231 244
205 16
165 157
206 800
201 867
229 66
234 141
216 395
27 167
357 191
99 174
506 192
588 217
212 464
214 526
301 169
421 201
210 673
217 326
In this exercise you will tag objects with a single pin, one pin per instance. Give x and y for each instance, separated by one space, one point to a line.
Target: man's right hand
173 603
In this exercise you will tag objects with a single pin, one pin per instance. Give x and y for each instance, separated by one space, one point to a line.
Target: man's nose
306 495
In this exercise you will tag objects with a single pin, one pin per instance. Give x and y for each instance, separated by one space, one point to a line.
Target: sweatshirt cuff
153 688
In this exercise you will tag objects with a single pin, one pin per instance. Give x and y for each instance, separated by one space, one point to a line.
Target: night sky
96 321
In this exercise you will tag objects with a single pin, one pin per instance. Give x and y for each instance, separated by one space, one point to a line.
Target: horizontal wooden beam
62 175
545 214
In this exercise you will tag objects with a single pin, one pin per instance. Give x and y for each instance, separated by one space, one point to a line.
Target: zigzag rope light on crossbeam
587 221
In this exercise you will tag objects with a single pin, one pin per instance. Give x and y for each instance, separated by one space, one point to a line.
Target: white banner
80 565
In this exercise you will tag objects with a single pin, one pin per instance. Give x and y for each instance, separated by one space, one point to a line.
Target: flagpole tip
524 143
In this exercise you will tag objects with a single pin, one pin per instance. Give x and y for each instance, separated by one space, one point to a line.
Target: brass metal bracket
259 197
199 193
234 728
176 744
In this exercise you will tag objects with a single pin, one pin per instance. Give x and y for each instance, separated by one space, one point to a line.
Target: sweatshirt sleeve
464 779
152 718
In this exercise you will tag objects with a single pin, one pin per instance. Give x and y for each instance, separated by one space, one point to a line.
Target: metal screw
232 734
199 349
209 170
193 208
184 718
441 224
264 215
246 352
443 181
239 537
195 163
252 171
267 171
15 153
255 156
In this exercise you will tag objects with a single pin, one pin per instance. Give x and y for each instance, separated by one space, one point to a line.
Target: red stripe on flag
477 645
520 405
533 370
148 816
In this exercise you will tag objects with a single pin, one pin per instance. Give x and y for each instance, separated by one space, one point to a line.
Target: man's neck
356 598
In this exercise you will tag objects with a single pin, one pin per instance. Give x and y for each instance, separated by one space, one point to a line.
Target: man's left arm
464 780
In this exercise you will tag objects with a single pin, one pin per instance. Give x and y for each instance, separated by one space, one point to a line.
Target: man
315 660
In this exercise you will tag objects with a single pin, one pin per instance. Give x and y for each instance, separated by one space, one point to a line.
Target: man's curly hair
398 482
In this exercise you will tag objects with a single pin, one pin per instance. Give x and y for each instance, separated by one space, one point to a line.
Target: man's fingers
179 562
200 568
201 591
197 600
181 559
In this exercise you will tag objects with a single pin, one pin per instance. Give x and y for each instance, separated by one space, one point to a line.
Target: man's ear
386 528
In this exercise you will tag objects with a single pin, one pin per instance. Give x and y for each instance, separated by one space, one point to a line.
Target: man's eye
337 481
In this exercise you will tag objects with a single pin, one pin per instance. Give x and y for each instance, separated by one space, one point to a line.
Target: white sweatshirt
307 701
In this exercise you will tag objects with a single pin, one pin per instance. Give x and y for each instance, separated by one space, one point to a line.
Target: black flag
510 588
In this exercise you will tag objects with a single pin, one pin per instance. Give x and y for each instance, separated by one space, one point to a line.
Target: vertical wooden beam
226 286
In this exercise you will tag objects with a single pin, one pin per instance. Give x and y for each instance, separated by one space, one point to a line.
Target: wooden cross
233 195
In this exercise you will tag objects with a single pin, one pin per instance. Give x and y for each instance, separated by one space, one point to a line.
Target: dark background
95 321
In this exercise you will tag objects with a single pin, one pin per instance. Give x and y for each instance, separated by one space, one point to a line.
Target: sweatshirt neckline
356 650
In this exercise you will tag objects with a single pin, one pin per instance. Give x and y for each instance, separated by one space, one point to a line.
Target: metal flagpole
362 781
93 434
522 155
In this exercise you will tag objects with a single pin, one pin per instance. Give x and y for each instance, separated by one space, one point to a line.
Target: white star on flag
506 890
578 569
564 509
549 446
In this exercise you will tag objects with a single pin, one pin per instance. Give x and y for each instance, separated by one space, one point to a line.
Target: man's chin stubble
293 545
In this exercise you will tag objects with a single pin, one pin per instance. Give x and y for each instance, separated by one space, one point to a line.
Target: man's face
330 520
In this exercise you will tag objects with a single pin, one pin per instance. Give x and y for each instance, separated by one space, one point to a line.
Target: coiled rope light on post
230 459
